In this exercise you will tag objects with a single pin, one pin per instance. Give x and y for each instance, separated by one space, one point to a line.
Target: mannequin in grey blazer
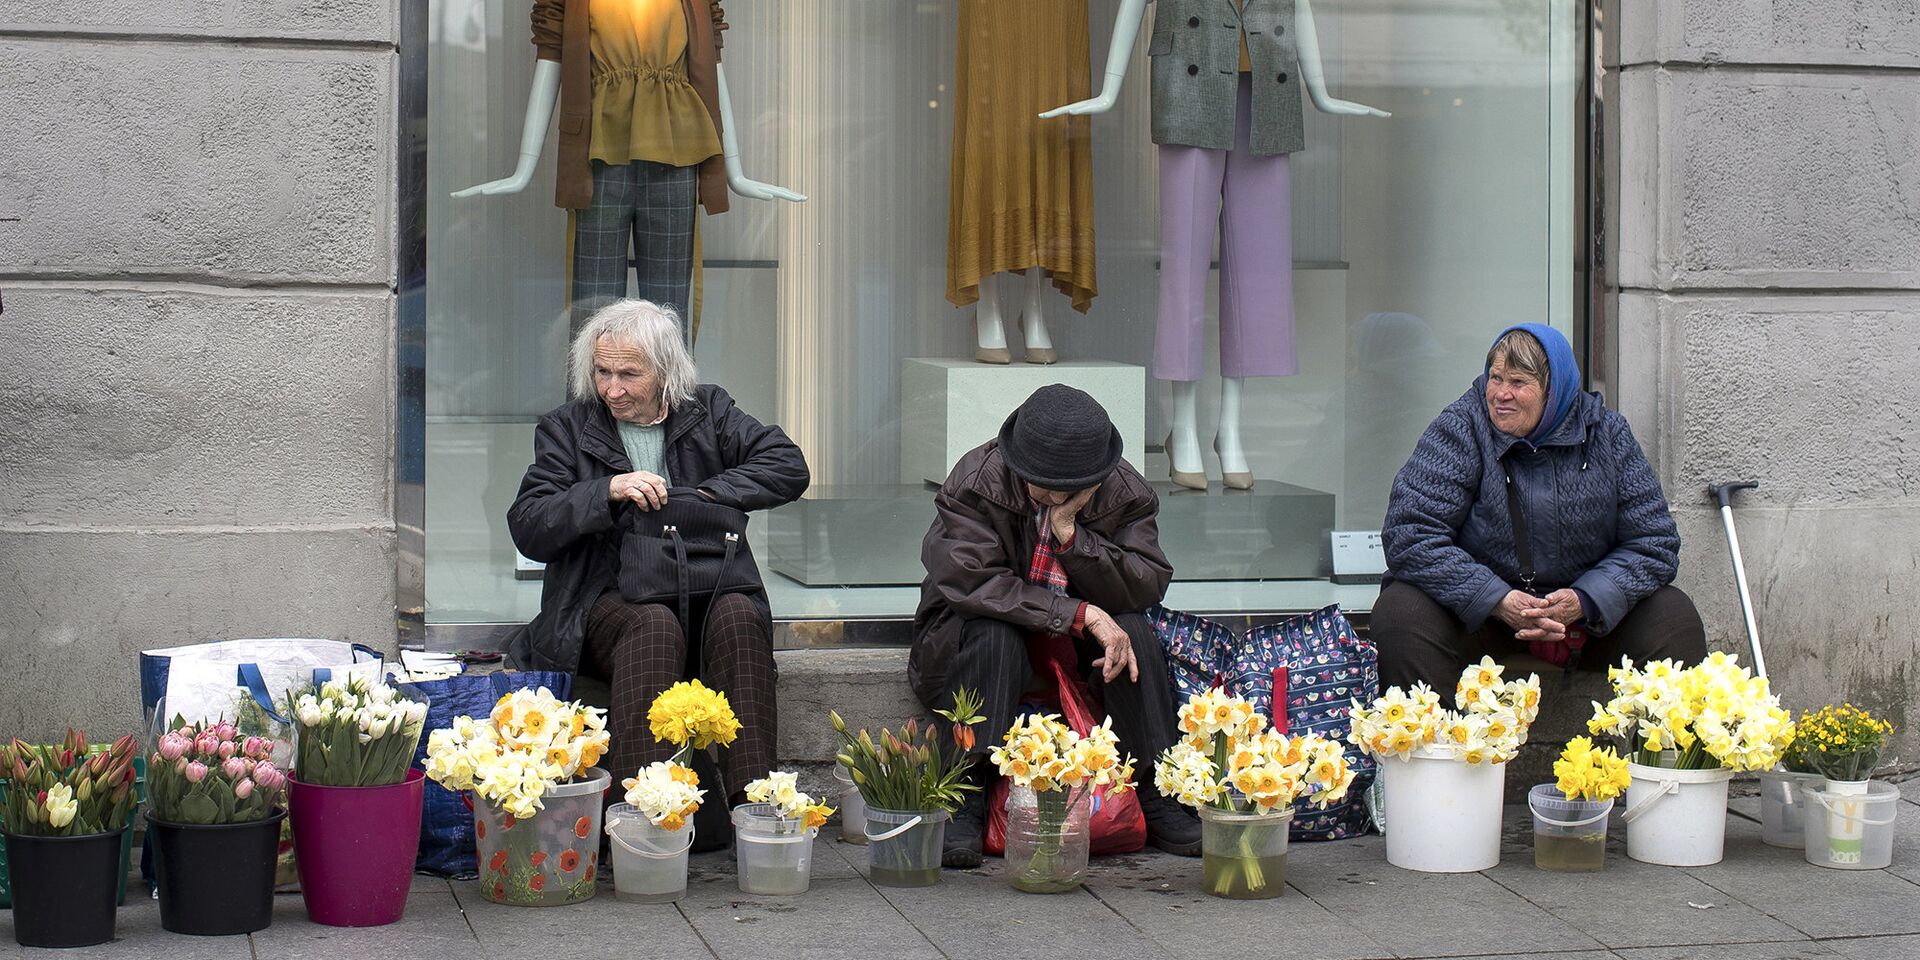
1197 88
1195 51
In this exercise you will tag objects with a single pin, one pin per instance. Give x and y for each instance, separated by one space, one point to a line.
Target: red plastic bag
1117 825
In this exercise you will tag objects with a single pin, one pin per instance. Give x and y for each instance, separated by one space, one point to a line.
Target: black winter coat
562 517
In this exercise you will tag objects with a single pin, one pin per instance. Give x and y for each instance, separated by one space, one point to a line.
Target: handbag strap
1522 545
726 562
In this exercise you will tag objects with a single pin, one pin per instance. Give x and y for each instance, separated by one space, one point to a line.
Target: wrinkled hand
1527 615
756 190
1562 606
648 491
1083 108
1065 518
1117 647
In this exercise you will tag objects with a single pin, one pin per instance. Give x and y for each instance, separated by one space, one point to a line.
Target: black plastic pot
64 888
215 880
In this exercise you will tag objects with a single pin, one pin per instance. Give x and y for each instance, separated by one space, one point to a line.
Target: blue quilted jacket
1596 517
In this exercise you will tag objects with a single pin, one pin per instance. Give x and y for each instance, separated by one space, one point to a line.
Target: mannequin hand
513 184
1347 108
755 190
1083 108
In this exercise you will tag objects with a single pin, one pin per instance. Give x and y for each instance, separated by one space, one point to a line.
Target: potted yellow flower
1570 814
774 834
1842 745
1689 729
1443 770
653 829
532 771
1054 773
1245 780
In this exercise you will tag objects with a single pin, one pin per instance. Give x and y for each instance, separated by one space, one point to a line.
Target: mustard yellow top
644 108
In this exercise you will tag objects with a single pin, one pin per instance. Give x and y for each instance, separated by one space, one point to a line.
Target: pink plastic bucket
355 848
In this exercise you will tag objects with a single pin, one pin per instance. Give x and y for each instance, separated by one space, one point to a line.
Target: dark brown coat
562 33
981 543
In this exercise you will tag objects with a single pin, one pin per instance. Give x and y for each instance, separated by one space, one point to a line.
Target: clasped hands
1539 618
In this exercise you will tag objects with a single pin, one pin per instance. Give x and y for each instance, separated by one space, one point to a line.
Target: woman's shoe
1238 480
992 355
1043 355
1181 478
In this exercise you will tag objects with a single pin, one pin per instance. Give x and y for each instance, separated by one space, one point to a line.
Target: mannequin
669 145
1020 197
1252 164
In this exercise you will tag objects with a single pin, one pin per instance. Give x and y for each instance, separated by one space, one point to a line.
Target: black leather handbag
690 549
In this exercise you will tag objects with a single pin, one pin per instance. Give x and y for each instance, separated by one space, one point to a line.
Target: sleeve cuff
1481 606
1601 601
1080 620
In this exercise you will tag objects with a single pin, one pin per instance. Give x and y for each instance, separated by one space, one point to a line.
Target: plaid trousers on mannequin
649 208
641 651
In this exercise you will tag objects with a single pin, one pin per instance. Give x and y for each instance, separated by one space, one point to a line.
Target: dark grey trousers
644 207
1420 640
992 660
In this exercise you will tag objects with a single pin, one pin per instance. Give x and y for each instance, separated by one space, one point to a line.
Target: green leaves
913 770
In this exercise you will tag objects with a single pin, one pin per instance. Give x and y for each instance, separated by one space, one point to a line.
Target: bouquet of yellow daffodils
1228 759
1712 714
781 791
1584 772
532 740
691 716
1061 767
1488 723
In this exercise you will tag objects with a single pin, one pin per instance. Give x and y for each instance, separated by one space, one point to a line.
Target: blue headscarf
1563 377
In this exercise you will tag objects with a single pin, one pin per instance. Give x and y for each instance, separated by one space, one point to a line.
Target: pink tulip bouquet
210 773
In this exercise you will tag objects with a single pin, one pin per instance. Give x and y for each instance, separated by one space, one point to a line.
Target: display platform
870 535
948 407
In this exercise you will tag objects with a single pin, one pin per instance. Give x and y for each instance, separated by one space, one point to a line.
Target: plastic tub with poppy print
548 860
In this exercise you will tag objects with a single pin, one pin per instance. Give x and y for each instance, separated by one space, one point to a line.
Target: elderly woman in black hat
1045 536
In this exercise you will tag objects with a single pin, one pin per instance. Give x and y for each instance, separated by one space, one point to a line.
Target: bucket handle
651 854
1635 812
1827 802
896 831
1602 815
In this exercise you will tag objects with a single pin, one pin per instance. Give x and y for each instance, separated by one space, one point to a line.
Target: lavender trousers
1256 257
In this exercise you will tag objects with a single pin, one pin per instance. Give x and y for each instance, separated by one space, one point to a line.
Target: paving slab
1418 914
1877 948
1818 902
1633 904
1795 950
843 919
1569 955
975 913
137 933
432 926
509 932
1160 896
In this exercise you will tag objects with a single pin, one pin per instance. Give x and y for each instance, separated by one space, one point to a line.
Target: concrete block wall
1767 263
197 260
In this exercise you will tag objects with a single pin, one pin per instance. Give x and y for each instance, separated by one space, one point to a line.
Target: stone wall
197 258
1766 257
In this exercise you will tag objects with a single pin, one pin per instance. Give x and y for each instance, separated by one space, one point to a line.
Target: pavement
1343 902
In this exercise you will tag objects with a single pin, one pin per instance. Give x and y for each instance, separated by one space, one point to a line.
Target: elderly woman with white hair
637 425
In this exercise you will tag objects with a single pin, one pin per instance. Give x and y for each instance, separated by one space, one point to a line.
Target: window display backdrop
1416 238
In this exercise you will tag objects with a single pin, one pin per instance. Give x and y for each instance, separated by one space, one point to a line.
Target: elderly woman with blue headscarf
1528 515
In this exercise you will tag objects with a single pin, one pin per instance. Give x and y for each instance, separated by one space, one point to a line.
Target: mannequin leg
1033 320
1183 443
1226 443
602 235
663 206
989 330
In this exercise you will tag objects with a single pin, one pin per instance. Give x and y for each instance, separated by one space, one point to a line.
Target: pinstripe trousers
644 207
640 649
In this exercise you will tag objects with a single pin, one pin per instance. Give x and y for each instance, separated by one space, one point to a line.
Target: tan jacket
561 33
981 544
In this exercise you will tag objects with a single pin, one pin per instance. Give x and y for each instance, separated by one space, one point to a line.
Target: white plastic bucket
1782 808
774 855
1850 824
1676 818
853 807
649 864
1443 814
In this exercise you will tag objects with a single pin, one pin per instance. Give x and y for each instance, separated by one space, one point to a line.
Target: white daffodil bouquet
781 791
1712 714
1488 723
1061 767
532 740
356 732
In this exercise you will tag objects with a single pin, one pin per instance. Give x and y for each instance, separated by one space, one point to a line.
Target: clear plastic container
1569 836
904 846
1047 839
649 864
1782 809
1243 856
853 807
1850 823
550 859
774 854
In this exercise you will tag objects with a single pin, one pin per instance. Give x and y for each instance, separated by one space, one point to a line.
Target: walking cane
1724 492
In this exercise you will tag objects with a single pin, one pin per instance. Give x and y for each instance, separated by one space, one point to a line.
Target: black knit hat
1060 439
